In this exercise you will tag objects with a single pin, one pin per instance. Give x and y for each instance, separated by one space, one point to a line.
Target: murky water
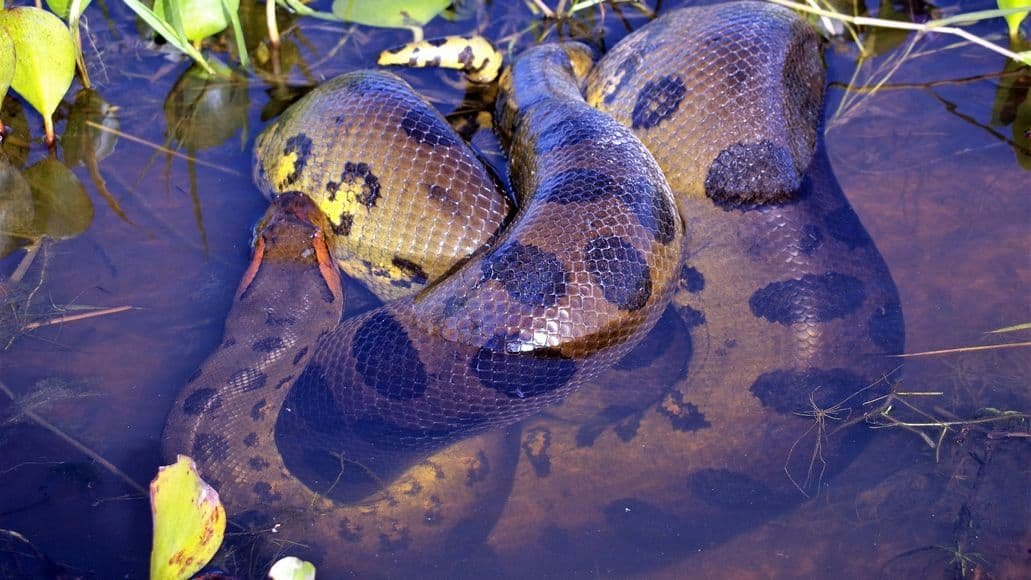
931 162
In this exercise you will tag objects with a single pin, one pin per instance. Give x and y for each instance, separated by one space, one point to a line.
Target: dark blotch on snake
887 328
346 223
251 440
413 271
258 463
691 279
529 275
797 391
248 379
359 173
349 531
625 72
425 126
265 493
299 356
657 101
279 321
258 410
300 144
682 415
692 317
752 173
809 298
578 186
536 445
621 271
653 209
210 446
521 374
570 131
268 344
200 401
386 360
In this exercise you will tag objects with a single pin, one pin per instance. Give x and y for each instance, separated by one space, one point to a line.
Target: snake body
775 277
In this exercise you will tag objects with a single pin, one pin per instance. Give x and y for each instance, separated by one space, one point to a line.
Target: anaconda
785 296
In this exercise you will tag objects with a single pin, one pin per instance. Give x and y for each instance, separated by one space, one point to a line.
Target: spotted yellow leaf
189 521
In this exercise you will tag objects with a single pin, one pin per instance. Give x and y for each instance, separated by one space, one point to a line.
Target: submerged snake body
785 296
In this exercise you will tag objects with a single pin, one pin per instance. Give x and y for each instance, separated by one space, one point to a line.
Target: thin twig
81 316
162 148
964 349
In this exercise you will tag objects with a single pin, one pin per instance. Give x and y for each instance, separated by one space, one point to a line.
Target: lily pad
62 207
189 521
45 61
389 13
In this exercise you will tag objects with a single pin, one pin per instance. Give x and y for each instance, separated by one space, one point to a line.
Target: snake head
292 233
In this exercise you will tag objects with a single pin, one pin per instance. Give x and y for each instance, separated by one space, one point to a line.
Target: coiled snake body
784 294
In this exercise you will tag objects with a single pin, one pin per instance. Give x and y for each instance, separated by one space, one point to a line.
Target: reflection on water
934 163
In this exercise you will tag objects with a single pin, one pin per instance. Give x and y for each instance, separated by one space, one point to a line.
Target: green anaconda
783 304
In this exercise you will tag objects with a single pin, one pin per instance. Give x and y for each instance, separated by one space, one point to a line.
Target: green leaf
63 7
189 521
292 568
6 62
200 18
45 61
162 27
62 207
389 13
1014 20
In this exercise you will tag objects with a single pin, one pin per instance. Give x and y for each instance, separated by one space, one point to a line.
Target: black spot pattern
529 275
413 271
653 209
200 401
370 187
209 446
578 186
682 415
265 492
728 489
251 440
300 355
386 360
268 344
346 223
248 379
795 391
424 126
278 321
809 298
810 240
398 541
625 71
657 101
570 131
887 328
692 317
691 279
752 173
521 374
349 531
477 470
258 410
258 463
300 144
621 270
843 225
536 445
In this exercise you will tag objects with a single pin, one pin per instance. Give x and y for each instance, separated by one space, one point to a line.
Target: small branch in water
964 349
81 316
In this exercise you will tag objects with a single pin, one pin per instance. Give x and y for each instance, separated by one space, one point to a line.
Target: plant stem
270 22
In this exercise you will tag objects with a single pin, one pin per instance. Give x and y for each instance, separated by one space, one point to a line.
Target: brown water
929 163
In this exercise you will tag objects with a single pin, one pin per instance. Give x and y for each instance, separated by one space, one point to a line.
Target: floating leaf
1014 20
83 140
189 521
6 62
1012 106
389 13
205 110
200 18
17 213
292 568
63 7
46 59
62 207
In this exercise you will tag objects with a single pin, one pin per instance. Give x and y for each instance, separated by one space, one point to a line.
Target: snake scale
685 167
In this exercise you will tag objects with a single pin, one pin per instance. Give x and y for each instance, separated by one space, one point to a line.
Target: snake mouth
292 233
